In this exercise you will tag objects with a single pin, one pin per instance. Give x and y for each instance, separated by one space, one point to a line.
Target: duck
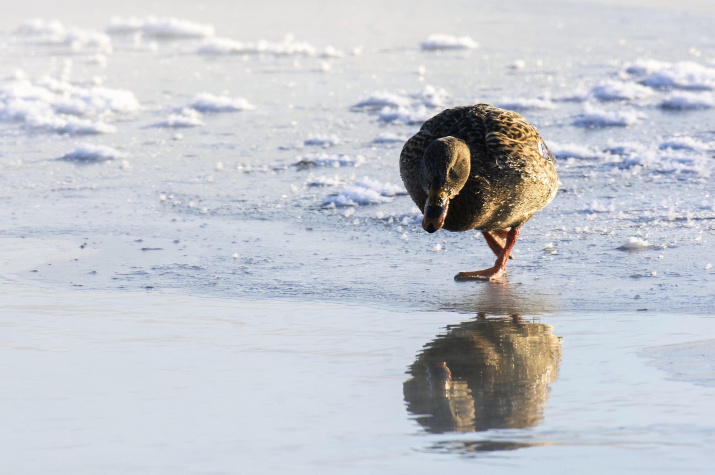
482 168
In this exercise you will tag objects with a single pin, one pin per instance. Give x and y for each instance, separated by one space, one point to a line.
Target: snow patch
326 160
646 66
86 153
635 244
688 100
160 27
324 181
406 115
364 192
74 39
520 104
185 119
683 75
225 46
390 137
685 143
592 116
323 140
429 96
571 150
618 90
206 102
58 106
437 42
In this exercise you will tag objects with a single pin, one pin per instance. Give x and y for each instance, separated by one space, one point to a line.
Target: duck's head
445 170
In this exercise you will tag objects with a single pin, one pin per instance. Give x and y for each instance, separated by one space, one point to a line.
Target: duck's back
512 171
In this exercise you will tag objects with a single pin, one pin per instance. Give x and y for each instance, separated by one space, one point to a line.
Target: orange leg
496 244
497 270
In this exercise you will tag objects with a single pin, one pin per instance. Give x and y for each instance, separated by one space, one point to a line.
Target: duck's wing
510 138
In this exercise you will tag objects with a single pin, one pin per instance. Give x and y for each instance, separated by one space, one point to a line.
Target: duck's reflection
483 374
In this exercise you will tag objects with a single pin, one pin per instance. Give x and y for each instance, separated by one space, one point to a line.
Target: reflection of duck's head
482 374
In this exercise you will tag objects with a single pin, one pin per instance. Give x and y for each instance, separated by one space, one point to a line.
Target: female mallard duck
488 167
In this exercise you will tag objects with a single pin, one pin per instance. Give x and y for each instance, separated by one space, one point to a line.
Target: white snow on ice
635 244
683 75
406 115
669 160
619 90
53 32
323 140
436 42
646 66
531 103
686 143
86 153
571 150
409 108
429 96
364 192
390 137
592 116
688 100
59 106
326 160
220 46
161 27
185 119
206 102
380 99
324 181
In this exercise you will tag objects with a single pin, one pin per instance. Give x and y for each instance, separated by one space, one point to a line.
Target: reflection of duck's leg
496 244
497 270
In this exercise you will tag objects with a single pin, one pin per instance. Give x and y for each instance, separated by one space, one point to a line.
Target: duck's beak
435 211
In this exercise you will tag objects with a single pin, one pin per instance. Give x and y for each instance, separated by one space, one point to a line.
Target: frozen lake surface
210 265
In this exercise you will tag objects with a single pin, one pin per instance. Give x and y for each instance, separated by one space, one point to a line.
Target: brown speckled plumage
512 175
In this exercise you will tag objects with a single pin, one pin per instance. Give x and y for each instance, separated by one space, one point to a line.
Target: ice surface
692 362
218 272
436 42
